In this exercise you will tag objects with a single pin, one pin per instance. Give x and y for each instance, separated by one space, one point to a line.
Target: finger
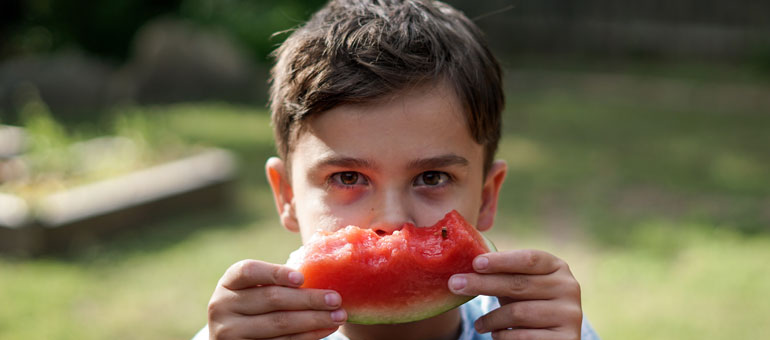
277 324
524 261
266 299
515 286
312 335
252 273
529 314
524 333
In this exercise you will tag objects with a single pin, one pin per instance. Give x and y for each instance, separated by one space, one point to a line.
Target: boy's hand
539 297
259 300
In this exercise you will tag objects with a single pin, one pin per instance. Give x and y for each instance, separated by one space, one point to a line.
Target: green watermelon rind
489 244
361 316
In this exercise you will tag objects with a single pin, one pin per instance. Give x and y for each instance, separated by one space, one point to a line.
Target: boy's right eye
349 178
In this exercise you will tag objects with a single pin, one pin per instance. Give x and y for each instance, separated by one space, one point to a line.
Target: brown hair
354 51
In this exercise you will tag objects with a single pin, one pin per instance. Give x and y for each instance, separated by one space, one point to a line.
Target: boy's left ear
490 194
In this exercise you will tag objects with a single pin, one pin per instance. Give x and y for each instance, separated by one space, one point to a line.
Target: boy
388 112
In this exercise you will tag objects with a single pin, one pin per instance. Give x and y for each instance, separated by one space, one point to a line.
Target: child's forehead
437 97
430 95
419 122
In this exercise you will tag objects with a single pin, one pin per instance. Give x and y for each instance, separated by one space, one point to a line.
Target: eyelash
444 179
336 180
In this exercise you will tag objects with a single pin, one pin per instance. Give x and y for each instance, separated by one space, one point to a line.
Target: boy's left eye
431 178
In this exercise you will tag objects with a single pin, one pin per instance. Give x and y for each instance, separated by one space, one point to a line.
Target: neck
444 326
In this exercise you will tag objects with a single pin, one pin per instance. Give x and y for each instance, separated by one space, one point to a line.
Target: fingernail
457 283
481 263
339 316
296 278
332 299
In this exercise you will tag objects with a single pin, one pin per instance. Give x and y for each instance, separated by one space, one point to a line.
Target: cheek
319 210
350 196
312 218
427 212
311 209
466 200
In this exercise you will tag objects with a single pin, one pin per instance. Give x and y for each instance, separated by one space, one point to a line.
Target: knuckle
214 308
272 296
576 316
563 265
315 300
280 321
242 268
275 274
217 307
532 259
220 332
571 288
517 284
517 311
576 290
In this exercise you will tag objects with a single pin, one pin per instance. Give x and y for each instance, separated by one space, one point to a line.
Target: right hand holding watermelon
260 300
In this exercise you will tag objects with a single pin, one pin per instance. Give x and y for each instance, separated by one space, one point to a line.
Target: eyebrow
441 161
344 162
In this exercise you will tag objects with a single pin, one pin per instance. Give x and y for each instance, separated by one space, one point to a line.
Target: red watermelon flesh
395 278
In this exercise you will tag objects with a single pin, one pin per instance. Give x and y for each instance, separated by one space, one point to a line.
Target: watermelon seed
443 233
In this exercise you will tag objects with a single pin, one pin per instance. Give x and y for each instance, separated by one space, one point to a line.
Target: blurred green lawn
654 189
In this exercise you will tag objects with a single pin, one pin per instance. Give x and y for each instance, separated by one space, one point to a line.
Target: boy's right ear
283 195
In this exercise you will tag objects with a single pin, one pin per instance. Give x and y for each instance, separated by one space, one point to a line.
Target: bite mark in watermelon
396 278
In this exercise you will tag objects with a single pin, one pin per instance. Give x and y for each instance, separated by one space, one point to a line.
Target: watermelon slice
396 278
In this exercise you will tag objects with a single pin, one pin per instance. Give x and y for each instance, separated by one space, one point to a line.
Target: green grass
706 284
660 207
130 290
677 281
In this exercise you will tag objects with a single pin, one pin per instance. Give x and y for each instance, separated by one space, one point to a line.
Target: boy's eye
349 178
431 178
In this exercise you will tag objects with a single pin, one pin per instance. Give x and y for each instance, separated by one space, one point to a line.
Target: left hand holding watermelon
539 296
261 300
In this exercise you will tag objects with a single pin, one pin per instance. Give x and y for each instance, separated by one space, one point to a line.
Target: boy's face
404 158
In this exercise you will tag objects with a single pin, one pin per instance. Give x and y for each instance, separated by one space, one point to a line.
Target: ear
282 192
490 194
